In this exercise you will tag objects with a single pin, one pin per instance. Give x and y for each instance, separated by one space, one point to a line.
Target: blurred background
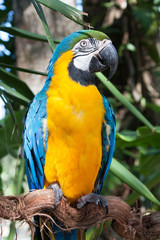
134 27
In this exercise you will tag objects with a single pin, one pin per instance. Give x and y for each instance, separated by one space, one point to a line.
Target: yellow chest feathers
75 115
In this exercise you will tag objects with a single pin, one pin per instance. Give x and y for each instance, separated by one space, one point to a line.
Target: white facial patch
85 49
82 62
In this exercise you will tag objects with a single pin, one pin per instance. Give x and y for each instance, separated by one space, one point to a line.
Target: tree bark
126 223
35 55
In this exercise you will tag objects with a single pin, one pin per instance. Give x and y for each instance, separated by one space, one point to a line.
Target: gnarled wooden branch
125 222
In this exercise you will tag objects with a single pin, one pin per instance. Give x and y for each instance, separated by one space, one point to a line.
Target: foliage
6 18
137 154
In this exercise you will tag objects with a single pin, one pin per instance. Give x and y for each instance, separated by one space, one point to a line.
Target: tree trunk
35 55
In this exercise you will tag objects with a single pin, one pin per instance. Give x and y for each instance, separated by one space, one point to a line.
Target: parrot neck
83 77
65 68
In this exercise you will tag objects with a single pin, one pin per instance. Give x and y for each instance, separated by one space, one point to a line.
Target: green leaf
143 137
121 49
14 93
157 129
22 69
131 47
154 107
109 4
148 161
126 176
123 100
12 232
40 13
26 34
1 184
150 182
20 173
90 233
14 82
67 10
146 15
8 105
11 137
152 50
128 46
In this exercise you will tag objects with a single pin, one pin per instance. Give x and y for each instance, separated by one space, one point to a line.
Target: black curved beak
106 57
109 56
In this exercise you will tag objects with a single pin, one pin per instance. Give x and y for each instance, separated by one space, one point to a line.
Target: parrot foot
57 192
93 198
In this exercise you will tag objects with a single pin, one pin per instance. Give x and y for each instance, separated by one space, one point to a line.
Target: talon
107 209
57 192
99 203
93 198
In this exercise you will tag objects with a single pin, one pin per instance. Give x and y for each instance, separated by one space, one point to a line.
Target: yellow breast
74 118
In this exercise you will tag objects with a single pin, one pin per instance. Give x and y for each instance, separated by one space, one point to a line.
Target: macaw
69 132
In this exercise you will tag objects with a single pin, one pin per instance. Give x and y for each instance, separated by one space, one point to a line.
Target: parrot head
92 51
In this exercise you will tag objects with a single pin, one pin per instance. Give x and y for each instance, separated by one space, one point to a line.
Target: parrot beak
106 57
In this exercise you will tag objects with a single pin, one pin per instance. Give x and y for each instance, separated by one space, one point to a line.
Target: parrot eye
83 43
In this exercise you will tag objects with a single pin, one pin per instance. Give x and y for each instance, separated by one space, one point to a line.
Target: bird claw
57 193
92 198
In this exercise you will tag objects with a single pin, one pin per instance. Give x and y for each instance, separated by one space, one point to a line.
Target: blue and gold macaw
69 133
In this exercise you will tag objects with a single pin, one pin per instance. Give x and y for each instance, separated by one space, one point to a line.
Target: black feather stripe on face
85 78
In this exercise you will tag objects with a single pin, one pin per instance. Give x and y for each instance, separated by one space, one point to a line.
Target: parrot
69 127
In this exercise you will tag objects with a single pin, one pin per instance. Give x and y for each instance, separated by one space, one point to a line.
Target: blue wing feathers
108 145
36 156
39 142
30 183
34 150
30 163
107 155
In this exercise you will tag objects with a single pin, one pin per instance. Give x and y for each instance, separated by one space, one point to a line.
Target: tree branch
126 222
